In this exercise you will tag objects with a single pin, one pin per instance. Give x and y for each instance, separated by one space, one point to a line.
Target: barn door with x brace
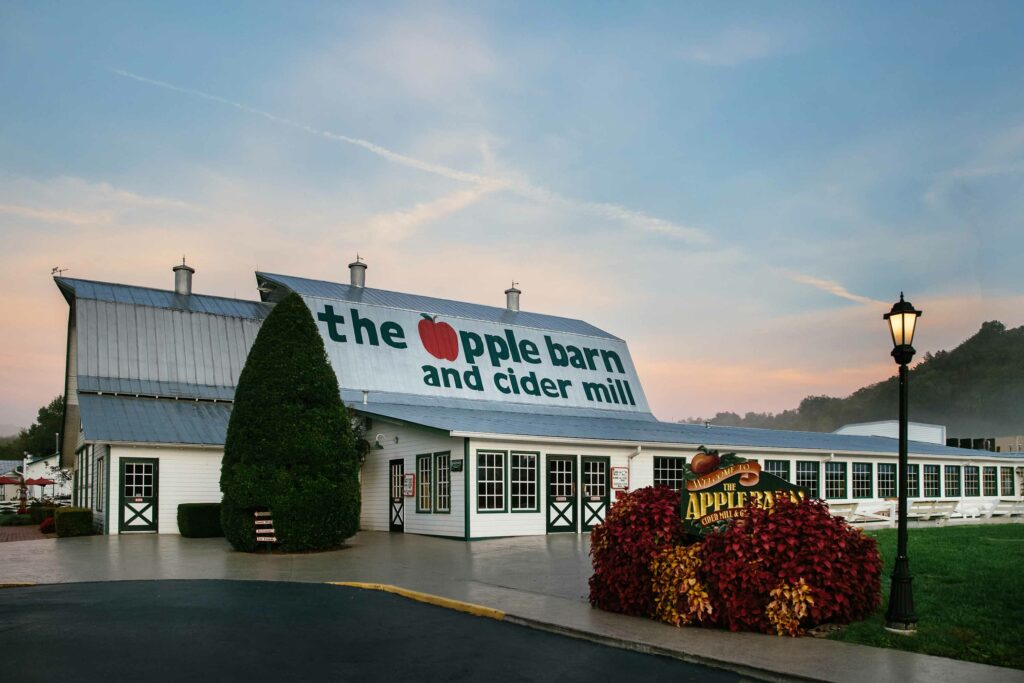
561 493
139 488
396 495
595 494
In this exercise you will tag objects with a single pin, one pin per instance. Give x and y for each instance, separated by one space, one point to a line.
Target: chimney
512 297
183 278
357 272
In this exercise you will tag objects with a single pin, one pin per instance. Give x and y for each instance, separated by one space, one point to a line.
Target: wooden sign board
457 465
409 486
620 478
261 514
263 522
267 539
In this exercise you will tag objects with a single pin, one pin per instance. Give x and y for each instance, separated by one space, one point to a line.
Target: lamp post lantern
900 616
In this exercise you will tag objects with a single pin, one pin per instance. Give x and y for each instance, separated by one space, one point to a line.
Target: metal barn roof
426 304
497 419
160 298
120 419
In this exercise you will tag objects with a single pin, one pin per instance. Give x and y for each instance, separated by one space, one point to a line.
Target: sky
739 190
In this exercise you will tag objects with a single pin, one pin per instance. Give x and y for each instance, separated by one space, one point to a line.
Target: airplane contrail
635 219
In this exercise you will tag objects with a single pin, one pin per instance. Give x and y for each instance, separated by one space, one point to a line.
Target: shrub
638 527
290 447
791 566
199 520
73 522
48 526
14 519
679 596
39 512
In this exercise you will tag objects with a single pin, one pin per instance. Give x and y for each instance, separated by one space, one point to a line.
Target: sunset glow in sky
740 192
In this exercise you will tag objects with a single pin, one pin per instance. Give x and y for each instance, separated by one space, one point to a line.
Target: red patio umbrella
41 481
14 481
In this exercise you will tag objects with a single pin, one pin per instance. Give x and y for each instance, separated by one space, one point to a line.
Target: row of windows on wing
938 481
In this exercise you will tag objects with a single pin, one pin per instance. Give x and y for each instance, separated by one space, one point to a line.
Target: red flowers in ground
638 527
780 569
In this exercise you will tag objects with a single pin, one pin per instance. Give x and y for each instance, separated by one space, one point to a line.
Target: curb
608 641
15 585
437 600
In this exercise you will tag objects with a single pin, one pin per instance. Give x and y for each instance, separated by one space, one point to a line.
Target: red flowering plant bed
638 528
788 567
780 569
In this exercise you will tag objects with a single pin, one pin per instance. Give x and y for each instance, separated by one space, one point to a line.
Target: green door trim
155 505
573 509
594 510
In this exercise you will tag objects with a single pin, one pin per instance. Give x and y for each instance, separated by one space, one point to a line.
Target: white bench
1007 508
931 509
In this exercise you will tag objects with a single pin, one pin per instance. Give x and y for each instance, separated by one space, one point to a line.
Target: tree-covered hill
977 389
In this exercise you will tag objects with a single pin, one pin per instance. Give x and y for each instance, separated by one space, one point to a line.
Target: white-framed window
424 481
668 471
988 481
443 472
780 468
972 483
862 484
807 476
490 481
887 480
835 480
913 481
952 473
932 484
1006 481
523 481
595 478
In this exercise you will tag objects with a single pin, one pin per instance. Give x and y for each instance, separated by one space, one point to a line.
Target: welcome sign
719 488
376 348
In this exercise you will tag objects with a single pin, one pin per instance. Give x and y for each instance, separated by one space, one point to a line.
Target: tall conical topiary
290 447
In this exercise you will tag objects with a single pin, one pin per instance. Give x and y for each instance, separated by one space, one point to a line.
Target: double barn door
577 492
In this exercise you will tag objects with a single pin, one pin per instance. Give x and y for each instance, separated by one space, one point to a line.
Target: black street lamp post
900 616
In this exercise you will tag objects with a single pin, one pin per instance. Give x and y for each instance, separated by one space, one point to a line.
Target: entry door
595 490
561 494
396 499
139 484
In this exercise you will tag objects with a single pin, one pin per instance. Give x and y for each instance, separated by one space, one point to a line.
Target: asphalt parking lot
273 631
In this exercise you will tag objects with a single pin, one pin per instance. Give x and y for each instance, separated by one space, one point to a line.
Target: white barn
484 421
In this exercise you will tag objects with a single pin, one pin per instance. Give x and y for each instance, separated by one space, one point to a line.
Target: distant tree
39 438
976 389
290 447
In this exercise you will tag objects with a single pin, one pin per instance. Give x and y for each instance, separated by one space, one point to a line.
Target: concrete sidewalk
538 581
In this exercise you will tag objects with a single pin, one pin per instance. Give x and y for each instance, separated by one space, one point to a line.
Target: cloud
399 225
636 220
734 47
830 286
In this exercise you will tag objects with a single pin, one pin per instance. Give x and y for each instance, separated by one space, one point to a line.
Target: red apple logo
439 339
704 463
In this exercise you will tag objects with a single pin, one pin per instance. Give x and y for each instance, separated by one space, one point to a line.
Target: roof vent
183 278
357 272
512 297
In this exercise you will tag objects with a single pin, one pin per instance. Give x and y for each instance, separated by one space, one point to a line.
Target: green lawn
968 594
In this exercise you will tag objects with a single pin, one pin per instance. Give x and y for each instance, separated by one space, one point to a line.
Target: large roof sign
375 348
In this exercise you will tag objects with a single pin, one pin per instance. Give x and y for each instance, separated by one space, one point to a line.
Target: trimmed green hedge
290 448
38 513
73 522
199 520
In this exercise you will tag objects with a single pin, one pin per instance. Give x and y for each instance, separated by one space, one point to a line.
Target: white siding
412 441
186 475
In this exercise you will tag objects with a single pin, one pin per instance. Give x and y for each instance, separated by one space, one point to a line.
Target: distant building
916 431
995 444
9 468
48 467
